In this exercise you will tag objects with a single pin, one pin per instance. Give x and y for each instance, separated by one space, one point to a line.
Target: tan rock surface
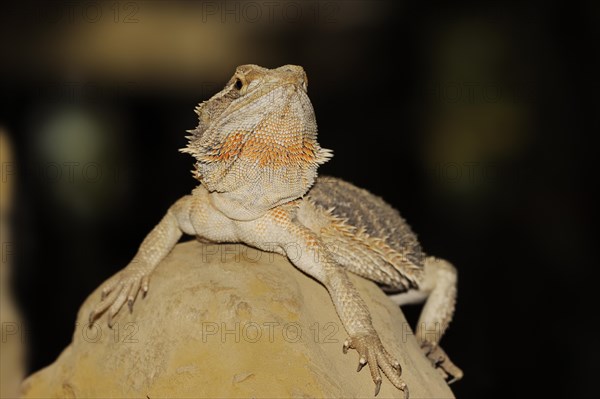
12 363
230 321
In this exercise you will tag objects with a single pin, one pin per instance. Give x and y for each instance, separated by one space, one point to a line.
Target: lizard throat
245 189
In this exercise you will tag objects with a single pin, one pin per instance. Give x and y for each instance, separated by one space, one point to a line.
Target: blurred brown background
476 121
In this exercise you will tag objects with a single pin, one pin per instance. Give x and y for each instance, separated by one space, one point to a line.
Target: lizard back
362 209
367 212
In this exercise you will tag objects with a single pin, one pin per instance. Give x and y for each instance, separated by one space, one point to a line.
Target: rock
230 321
12 351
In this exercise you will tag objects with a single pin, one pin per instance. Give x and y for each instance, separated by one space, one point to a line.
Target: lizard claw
377 386
122 287
92 317
372 352
441 362
361 363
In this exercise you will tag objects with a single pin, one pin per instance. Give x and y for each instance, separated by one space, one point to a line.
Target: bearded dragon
257 155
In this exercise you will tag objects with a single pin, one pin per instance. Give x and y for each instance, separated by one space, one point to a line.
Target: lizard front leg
125 285
352 310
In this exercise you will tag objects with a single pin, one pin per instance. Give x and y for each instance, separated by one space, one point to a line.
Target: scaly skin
256 157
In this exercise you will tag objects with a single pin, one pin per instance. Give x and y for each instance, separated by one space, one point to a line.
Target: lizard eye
238 84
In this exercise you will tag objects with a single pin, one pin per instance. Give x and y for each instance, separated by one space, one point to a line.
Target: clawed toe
372 352
377 386
122 288
361 363
441 362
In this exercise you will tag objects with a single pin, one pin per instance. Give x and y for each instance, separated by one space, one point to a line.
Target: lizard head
256 141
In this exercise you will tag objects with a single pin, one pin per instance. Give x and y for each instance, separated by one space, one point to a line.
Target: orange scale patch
271 149
231 148
233 145
280 215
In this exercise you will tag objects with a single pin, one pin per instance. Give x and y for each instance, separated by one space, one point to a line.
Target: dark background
477 122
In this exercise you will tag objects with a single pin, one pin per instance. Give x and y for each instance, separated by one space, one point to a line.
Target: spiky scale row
365 226
364 209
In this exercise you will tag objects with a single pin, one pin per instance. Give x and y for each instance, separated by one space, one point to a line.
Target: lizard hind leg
438 289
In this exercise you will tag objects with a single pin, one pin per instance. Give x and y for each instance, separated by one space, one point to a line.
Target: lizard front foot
442 362
371 351
123 286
